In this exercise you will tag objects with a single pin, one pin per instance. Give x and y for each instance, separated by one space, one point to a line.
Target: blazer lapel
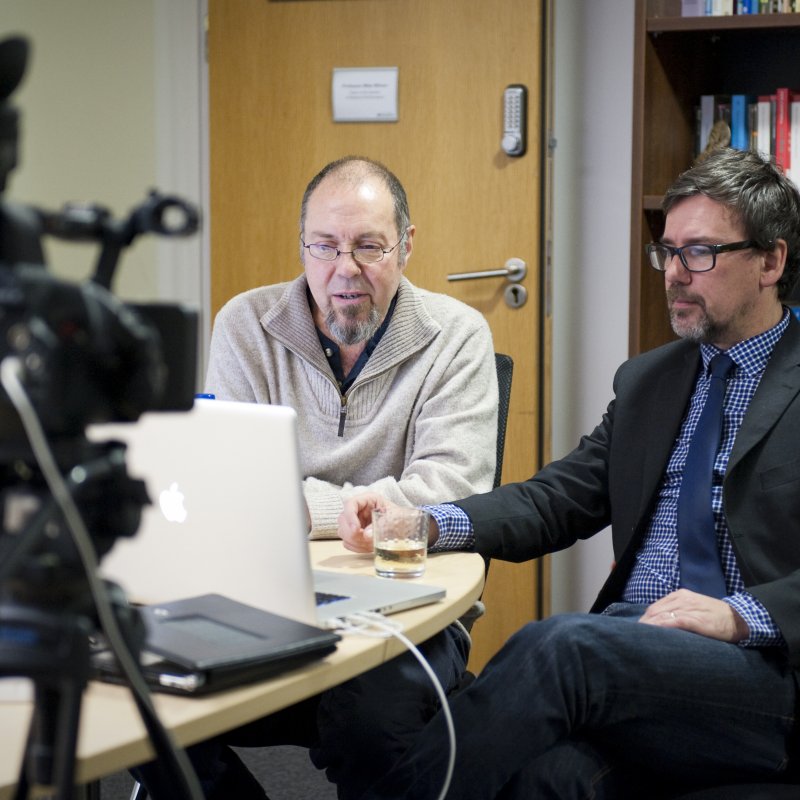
778 387
667 410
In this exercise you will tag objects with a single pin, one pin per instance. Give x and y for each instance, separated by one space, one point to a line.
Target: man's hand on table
355 521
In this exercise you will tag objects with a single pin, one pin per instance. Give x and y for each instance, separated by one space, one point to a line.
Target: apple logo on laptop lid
172 504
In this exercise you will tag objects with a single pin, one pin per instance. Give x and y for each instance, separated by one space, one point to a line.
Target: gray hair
355 168
759 195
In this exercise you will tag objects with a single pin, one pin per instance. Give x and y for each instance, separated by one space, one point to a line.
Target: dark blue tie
701 568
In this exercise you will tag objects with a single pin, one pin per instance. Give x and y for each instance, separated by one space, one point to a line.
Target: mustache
677 293
348 287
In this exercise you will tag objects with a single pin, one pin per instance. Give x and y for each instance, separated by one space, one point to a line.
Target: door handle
514 271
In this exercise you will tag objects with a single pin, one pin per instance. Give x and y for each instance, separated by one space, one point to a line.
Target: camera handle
166 215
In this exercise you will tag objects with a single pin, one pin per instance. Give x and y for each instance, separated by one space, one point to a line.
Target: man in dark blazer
703 690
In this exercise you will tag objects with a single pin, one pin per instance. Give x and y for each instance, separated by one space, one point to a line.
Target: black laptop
209 643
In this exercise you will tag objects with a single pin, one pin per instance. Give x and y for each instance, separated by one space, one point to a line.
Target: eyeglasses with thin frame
695 257
364 254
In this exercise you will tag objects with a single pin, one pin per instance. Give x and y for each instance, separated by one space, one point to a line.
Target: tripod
49 601
32 641
47 613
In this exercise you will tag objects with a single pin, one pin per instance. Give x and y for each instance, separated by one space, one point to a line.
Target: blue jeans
355 731
580 700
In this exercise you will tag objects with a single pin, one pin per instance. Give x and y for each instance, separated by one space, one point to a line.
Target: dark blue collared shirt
333 354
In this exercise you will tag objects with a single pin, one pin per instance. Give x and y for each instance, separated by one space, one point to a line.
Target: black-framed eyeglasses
695 257
364 254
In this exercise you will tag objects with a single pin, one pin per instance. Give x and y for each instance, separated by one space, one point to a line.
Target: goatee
696 331
349 330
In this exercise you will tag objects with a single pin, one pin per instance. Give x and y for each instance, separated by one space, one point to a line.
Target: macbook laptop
228 518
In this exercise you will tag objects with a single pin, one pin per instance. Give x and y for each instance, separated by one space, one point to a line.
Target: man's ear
409 243
774 263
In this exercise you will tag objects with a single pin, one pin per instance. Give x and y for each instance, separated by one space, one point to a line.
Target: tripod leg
50 755
67 740
23 785
58 662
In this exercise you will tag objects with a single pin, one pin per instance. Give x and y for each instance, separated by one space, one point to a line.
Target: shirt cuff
455 528
763 630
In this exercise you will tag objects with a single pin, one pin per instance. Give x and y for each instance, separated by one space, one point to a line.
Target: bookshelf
677 59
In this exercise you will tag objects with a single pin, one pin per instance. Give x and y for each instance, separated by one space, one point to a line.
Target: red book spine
782 128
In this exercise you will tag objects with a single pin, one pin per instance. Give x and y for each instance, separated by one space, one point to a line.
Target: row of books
722 8
768 123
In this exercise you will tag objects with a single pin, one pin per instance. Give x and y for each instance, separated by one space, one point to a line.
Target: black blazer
613 476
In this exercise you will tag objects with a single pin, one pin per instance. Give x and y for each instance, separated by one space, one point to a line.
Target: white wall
110 108
592 169
87 120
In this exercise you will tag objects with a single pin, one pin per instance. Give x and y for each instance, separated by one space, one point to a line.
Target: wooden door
271 129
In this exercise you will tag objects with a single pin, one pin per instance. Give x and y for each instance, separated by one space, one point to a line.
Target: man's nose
346 264
675 271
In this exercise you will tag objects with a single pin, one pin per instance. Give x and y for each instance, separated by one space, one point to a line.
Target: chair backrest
505 370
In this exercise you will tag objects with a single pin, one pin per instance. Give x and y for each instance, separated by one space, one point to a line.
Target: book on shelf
713 107
764 140
718 8
740 120
794 138
783 157
752 111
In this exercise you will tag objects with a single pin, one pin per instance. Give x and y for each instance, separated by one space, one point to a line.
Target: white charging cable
369 623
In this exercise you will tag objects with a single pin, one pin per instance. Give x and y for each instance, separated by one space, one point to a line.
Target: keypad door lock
515 112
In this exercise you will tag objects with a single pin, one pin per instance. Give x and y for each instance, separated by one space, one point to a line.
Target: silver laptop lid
227 513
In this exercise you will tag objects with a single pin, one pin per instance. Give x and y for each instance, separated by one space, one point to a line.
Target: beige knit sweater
420 421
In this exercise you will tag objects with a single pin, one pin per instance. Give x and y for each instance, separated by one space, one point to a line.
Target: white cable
363 624
10 370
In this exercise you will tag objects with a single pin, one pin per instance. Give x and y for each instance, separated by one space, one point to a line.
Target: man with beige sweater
395 386
396 392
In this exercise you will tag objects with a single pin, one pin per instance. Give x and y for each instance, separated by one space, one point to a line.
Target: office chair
505 371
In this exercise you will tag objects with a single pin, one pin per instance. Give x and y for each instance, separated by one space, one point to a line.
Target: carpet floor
285 773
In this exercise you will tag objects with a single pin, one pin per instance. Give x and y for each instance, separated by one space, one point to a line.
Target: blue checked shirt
656 571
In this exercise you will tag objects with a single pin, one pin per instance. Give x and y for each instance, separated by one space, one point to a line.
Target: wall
110 108
592 169
87 120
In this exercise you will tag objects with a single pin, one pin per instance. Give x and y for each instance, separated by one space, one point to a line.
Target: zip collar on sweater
412 328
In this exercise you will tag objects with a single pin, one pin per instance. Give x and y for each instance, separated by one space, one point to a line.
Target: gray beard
352 331
699 332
